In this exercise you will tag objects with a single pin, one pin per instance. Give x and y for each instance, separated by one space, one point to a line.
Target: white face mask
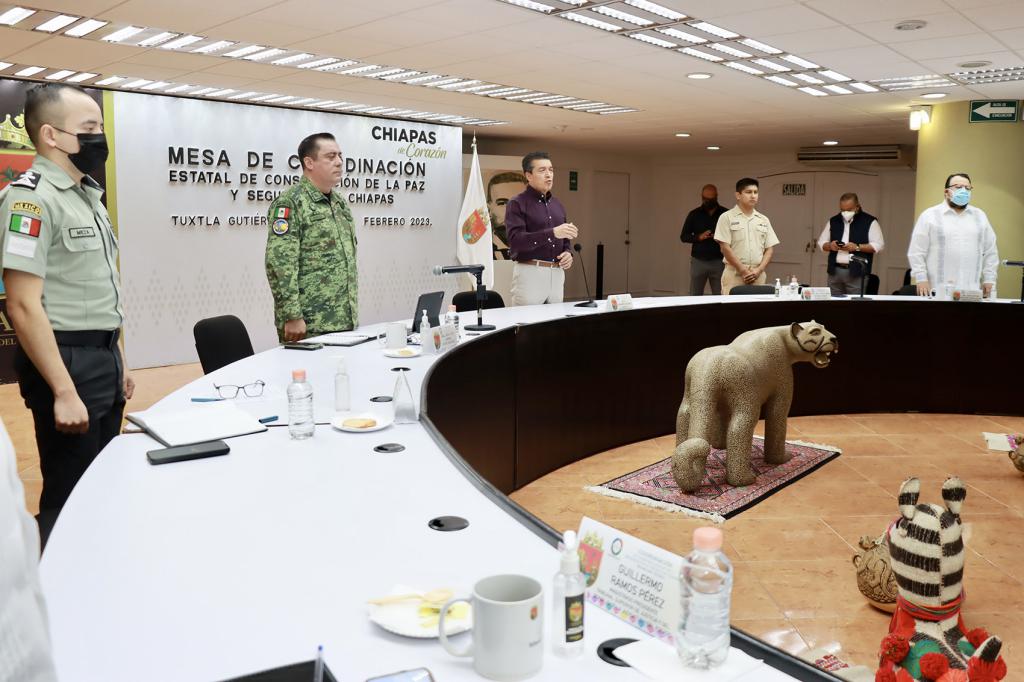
848 215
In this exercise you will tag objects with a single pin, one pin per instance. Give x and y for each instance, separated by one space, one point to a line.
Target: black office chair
750 289
906 290
45 519
466 300
873 284
221 341
906 277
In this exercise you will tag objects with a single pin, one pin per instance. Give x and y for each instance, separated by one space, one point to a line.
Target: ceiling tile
13 41
945 25
1012 38
264 32
72 53
193 16
351 47
774 21
866 63
1000 60
997 17
847 12
181 62
941 47
835 38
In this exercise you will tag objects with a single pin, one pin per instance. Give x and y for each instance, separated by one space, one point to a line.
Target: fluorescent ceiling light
264 98
518 97
864 87
621 16
14 15
772 65
59 75
157 39
682 134
422 79
388 72
333 65
682 35
85 28
446 81
486 88
800 61
188 40
243 51
699 76
137 83
619 110
319 62
830 143
30 71
758 45
220 93
839 90
121 34
730 50
180 88
325 103
807 78
5 65
813 91
530 4
265 54
281 99
651 40
552 99
590 21
84 76
244 95
304 100
202 91
781 81
701 55
156 86
56 23
835 76
934 95
713 148
292 59
656 9
401 76
212 47
452 86
358 69
740 66
110 80
714 30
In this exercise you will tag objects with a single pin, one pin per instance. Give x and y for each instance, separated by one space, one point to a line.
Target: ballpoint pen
207 400
267 420
318 669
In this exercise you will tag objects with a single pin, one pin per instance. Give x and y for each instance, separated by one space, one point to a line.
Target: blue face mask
961 196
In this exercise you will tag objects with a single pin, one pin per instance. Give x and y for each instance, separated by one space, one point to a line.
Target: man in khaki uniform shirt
747 239
59 259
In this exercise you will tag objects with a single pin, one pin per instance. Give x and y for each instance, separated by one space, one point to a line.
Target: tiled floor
151 385
795 585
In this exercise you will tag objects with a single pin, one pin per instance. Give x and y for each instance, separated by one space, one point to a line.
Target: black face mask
709 204
92 151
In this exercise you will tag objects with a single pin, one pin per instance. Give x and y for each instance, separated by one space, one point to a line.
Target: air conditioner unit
873 155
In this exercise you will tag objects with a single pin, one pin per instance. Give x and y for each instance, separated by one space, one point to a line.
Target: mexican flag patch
25 225
284 212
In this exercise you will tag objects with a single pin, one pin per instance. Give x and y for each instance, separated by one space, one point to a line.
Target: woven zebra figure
927 638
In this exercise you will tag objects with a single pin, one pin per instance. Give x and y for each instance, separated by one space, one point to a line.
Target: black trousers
63 457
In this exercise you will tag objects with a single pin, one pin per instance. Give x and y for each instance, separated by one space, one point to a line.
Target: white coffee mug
394 336
508 627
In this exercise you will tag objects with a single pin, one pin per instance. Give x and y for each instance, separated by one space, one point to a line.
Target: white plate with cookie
358 422
407 352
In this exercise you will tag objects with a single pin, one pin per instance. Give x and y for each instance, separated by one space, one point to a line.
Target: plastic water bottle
342 389
778 288
452 317
794 287
992 296
705 582
567 592
300 406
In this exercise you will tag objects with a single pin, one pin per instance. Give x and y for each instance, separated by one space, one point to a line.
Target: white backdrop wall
195 248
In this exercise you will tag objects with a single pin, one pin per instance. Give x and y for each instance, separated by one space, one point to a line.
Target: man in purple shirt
538 236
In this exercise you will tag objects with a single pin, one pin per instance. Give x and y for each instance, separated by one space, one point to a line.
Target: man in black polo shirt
706 262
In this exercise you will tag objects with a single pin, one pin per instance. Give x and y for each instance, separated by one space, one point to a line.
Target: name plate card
630 579
439 339
973 295
816 293
620 302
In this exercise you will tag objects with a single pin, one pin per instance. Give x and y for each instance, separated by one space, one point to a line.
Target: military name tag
79 232
620 302
972 295
816 293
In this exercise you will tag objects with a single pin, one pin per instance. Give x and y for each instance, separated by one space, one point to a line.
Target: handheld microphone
1013 263
589 303
452 269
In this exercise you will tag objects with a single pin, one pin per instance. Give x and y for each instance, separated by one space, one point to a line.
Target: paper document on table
212 421
999 442
341 339
659 661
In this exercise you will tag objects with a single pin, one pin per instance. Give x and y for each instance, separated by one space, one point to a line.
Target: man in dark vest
848 232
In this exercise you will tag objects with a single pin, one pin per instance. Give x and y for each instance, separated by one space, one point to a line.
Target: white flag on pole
474 228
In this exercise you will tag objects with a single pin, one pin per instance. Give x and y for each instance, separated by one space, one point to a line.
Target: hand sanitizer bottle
424 323
567 592
778 288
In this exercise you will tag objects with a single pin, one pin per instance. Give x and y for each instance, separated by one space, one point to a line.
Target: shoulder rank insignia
281 225
29 180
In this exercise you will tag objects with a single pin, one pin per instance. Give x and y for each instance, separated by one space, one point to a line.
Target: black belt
844 266
91 338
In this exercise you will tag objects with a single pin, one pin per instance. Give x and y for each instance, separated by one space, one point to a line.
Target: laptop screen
432 304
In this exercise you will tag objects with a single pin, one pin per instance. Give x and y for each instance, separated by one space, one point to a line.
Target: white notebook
213 421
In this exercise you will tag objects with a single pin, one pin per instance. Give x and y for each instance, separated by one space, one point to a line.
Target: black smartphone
182 453
302 346
840 244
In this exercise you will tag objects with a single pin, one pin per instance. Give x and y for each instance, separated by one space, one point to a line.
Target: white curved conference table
216 568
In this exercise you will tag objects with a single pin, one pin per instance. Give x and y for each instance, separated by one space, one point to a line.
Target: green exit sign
574 181
994 110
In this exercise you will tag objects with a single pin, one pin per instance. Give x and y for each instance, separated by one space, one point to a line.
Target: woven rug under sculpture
715 499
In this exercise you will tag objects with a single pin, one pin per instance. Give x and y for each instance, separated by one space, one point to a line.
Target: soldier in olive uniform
311 249
59 261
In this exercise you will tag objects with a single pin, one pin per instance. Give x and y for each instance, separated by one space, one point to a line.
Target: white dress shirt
951 246
25 654
874 238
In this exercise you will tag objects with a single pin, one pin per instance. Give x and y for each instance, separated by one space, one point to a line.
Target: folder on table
201 423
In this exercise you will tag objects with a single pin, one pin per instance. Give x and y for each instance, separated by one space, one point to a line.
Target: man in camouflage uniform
311 249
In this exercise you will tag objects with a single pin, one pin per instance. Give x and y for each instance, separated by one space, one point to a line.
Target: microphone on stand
481 292
453 269
1013 263
589 303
